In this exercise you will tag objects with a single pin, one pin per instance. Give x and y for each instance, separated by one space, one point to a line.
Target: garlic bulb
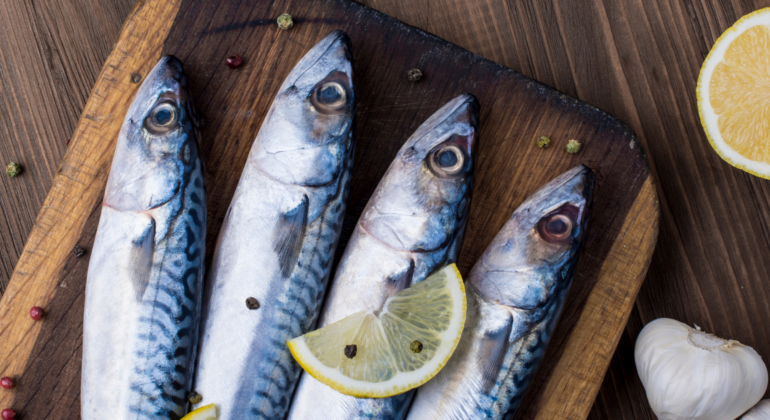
691 375
760 411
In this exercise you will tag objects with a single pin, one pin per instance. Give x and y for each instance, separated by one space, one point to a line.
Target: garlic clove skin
760 411
691 375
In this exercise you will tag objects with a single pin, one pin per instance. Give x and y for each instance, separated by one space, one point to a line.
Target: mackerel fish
144 287
412 225
274 252
515 294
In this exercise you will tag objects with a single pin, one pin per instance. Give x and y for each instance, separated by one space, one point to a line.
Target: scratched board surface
45 356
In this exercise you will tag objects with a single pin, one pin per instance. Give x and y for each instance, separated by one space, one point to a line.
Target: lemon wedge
734 94
380 354
207 412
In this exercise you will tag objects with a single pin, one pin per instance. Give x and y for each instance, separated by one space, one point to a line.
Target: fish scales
412 226
144 287
291 312
278 238
170 329
515 293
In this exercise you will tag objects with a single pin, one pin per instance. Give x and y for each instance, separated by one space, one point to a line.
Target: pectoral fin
400 281
493 348
287 241
141 260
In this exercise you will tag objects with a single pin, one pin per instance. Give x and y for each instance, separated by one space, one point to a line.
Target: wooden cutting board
45 356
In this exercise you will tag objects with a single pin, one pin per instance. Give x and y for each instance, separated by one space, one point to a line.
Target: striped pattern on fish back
299 305
384 408
166 348
521 362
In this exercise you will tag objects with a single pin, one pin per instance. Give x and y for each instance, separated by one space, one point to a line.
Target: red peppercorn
234 61
6 383
36 313
8 414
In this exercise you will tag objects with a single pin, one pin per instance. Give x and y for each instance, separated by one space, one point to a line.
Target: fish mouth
344 42
335 39
334 51
337 42
460 117
579 179
464 108
170 68
466 114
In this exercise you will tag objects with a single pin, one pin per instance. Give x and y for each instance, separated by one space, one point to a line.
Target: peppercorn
414 75
572 146
543 142
7 382
13 169
285 21
8 414
36 313
234 61
78 251
194 397
351 350
252 303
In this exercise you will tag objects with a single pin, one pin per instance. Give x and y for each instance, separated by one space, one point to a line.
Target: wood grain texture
48 275
637 59
50 55
46 356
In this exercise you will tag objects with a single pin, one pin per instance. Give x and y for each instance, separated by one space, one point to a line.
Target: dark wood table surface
636 59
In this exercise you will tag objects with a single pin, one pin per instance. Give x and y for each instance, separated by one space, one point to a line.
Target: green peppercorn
285 21
195 397
543 142
13 169
572 146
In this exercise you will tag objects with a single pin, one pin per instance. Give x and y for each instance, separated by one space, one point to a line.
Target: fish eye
330 96
557 227
447 160
163 118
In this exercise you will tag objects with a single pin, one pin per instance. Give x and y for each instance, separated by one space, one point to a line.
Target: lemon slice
377 355
734 94
207 412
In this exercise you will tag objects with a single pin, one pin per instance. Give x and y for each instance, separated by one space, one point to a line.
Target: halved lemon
207 412
734 94
380 354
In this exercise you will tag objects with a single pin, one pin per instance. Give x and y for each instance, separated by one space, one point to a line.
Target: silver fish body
145 275
278 239
515 294
412 225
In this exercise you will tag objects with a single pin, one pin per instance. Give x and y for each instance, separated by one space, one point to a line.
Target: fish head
307 131
534 255
422 201
158 142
